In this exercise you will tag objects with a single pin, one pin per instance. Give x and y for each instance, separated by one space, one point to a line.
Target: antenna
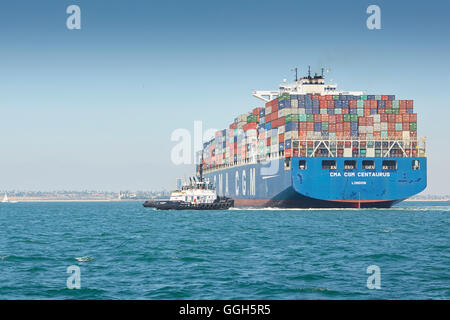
309 71
296 76
201 168
322 72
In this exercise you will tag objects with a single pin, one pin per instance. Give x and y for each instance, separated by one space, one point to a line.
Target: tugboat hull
221 204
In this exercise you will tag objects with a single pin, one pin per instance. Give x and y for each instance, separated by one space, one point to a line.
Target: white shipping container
274 148
377 127
294 103
268 110
287 135
406 135
384 126
347 152
281 129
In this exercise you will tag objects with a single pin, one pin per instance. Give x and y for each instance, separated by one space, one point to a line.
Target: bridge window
368 164
389 165
350 164
415 164
329 164
302 164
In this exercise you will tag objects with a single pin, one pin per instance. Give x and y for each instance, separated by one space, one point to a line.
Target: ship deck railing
338 147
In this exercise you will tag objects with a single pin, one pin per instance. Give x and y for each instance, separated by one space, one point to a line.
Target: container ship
310 145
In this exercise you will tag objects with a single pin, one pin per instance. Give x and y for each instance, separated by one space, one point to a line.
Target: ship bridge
309 84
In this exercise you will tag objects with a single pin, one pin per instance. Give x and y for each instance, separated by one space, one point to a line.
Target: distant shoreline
141 200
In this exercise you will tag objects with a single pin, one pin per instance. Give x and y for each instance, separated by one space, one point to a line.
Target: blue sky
94 108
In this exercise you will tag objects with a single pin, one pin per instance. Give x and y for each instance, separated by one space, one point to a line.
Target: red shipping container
380 110
344 110
309 126
288 153
413 117
315 96
339 118
302 134
367 112
391 126
251 125
405 117
413 134
373 103
362 121
346 126
256 111
398 118
384 117
317 118
268 141
339 127
352 103
405 125
324 117
402 103
388 104
281 137
391 118
332 128
302 125
332 119
409 104
233 126
384 97
377 134
369 121
362 135
366 104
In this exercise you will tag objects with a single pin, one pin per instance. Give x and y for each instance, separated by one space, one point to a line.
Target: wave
84 259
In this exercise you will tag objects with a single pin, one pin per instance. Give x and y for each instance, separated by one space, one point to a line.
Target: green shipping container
413 126
347 118
364 97
335 97
302 117
310 117
354 118
324 126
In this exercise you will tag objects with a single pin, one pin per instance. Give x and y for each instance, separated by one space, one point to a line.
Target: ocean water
126 251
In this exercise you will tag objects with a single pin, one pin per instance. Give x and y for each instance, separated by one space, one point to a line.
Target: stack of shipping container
294 125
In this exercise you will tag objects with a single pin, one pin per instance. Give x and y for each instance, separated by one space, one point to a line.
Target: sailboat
6 200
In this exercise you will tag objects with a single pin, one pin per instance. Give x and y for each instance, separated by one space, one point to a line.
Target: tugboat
199 194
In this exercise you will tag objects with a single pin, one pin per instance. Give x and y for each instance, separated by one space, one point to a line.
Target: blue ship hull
276 184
